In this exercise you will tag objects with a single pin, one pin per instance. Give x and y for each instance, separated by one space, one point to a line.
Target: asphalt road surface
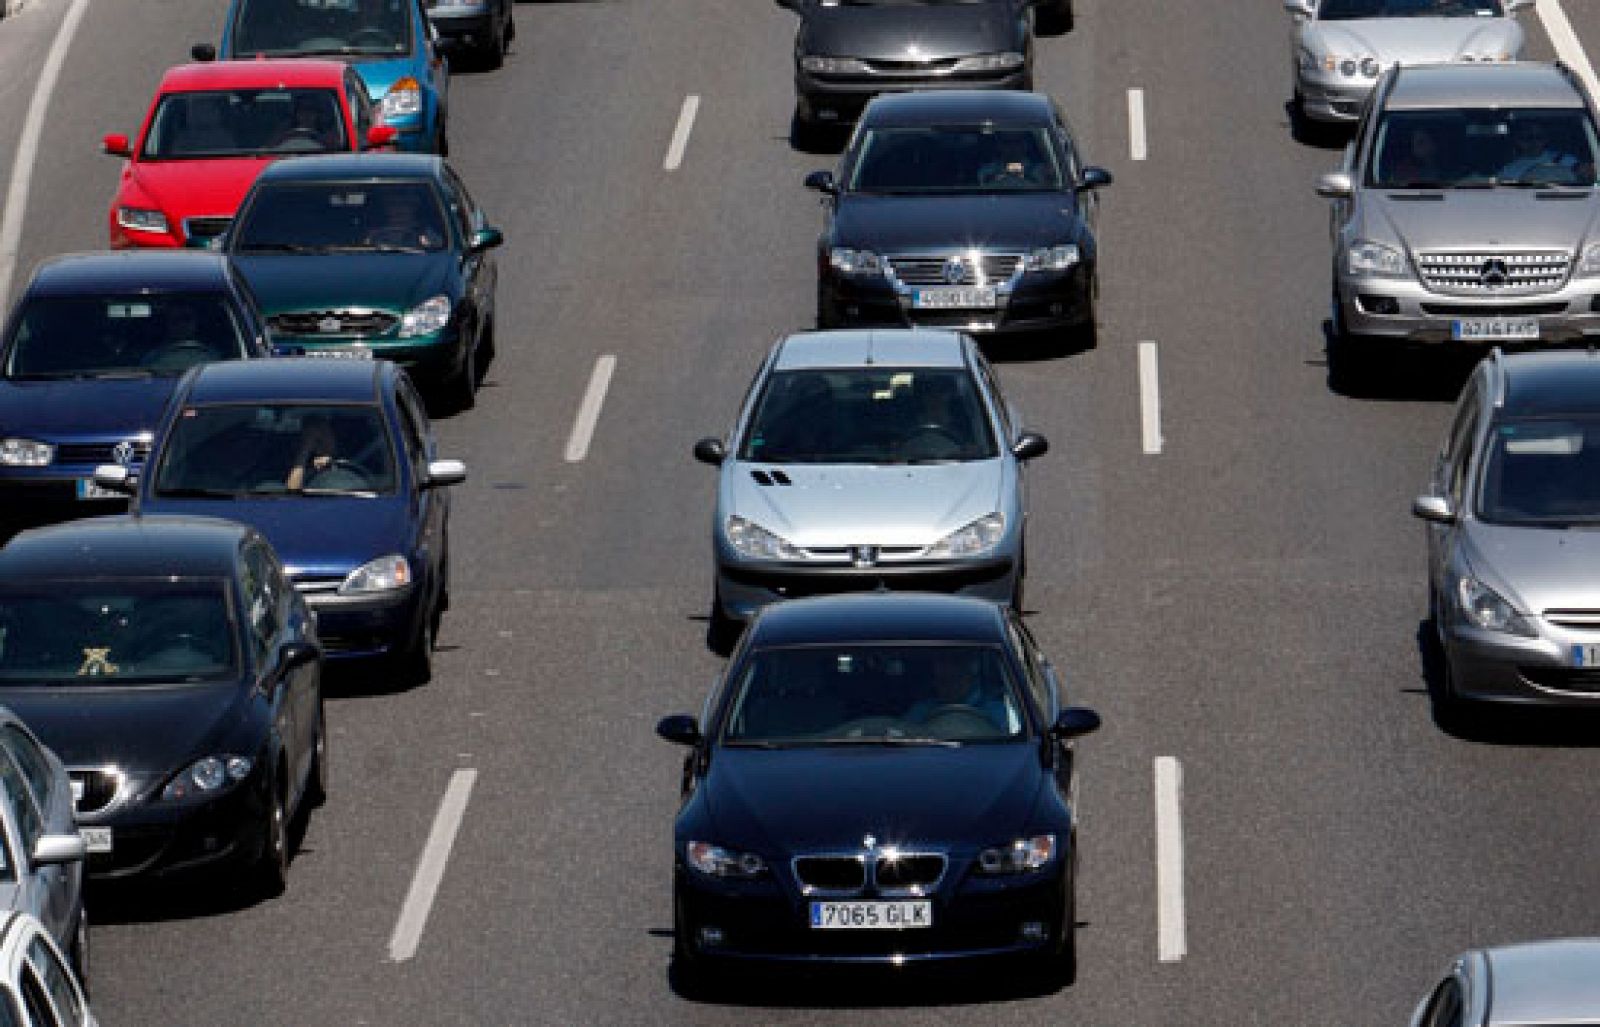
1246 600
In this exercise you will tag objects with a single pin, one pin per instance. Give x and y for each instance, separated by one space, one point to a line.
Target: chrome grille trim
206 226
1525 272
911 873
349 322
98 452
980 268
1589 619
95 788
830 874
882 871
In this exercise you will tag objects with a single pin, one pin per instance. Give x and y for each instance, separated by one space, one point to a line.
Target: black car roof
1551 382
353 167
130 271
125 546
957 106
286 380
878 617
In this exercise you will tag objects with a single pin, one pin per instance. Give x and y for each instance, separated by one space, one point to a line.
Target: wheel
1059 16
416 662
1349 356
493 53
1086 334
486 345
724 630
462 387
78 955
1058 968
317 782
271 871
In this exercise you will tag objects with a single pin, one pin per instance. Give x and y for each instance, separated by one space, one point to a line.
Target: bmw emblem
955 270
868 842
123 452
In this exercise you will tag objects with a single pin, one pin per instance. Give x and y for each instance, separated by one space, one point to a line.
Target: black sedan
881 779
969 210
171 666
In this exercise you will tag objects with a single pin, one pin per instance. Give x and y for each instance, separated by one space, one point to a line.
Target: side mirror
1307 8
1336 185
1093 178
52 849
379 136
1029 445
1434 509
486 239
822 182
445 472
680 729
297 654
115 477
203 52
117 145
1075 721
710 451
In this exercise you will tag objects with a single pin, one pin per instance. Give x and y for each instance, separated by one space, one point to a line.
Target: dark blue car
334 462
89 358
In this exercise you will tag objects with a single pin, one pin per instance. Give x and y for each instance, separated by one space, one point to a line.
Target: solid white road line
16 205
1559 29
1136 137
680 135
1170 931
1149 398
430 871
589 410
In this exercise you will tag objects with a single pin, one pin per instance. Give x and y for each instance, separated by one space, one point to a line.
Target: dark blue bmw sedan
334 462
882 778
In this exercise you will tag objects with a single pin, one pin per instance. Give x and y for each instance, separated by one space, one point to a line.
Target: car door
1044 687
1450 479
59 884
1087 201
302 683
430 508
264 628
478 269
35 882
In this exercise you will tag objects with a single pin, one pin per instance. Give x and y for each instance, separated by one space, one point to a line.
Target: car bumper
47 498
1038 301
841 100
1490 666
1404 310
427 359
747 587
1332 97
156 838
363 627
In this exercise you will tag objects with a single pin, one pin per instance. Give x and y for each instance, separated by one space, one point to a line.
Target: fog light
1379 304
1034 930
710 937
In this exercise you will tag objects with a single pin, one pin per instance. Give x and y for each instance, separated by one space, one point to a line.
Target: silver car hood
1479 219
1415 40
862 504
1537 569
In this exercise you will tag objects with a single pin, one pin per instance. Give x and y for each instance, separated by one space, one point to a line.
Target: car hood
795 800
1537 569
899 31
191 188
1415 40
896 224
87 408
383 281
144 730
861 504
325 536
1478 219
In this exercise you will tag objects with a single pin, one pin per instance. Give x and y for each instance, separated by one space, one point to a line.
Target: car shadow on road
1380 370
1317 134
1034 347
822 140
366 679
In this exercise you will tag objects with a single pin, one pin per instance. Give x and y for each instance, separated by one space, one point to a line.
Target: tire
1058 16
493 53
461 388
1349 356
486 346
78 954
271 871
1086 334
317 781
724 631
415 664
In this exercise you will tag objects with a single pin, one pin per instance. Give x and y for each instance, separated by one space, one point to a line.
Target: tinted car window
334 217
336 28
33 996
93 633
276 449
1473 148
31 760
1348 10
1542 471
237 122
62 992
955 159
30 825
74 337
869 415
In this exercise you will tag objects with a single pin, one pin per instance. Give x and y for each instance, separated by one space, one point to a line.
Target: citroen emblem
863 556
954 270
123 452
1493 273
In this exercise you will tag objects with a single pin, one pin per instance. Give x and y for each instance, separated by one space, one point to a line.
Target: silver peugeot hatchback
865 460
1551 982
1513 512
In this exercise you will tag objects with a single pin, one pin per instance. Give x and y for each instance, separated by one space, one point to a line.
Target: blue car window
31 759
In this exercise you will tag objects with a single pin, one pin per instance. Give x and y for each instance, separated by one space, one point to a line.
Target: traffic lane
25 39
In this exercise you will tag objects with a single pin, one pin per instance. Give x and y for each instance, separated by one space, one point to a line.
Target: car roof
286 380
125 546
957 106
130 271
1551 382
347 167
1448 86
894 347
878 617
253 74
1551 981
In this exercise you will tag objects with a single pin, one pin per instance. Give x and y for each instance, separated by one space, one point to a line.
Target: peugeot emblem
955 270
123 452
1493 273
863 556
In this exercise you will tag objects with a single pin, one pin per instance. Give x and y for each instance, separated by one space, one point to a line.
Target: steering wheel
301 137
956 713
340 474
871 727
376 35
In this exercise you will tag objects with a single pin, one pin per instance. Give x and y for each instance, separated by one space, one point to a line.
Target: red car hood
192 188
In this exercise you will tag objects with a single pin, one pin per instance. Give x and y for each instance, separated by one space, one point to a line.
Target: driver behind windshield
1535 155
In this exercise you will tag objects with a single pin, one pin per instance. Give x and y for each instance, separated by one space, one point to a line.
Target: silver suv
1465 210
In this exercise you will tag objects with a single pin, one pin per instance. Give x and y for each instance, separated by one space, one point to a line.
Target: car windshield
243 123
1483 148
1350 10
885 694
1542 472
300 28
120 336
983 158
335 217
163 631
872 415
226 451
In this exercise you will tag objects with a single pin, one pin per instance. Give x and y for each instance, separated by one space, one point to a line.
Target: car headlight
1007 61
427 317
1589 263
750 539
1370 67
855 262
403 99
385 574
25 453
972 539
715 861
1374 260
1053 258
1489 610
208 776
141 219
833 65
1019 857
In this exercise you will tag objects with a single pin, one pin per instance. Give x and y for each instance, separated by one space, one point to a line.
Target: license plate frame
88 491
955 297
352 352
876 915
1585 656
97 840
1495 329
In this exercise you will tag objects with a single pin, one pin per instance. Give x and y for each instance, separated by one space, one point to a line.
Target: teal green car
373 255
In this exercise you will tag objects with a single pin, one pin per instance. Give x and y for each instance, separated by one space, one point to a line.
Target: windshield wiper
359 493
943 743
195 492
279 247
122 373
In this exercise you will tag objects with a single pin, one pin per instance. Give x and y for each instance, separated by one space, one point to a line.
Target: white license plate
341 353
87 489
1496 329
96 839
1586 656
871 916
955 297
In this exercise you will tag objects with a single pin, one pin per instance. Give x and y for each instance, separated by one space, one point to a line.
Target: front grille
831 873
94 790
333 322
891 67
1562 679
1494 274
317 586
1581 619
205 228
974 269
97 453
918 874
1498 310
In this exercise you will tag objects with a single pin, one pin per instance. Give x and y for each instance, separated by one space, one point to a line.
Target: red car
211 130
